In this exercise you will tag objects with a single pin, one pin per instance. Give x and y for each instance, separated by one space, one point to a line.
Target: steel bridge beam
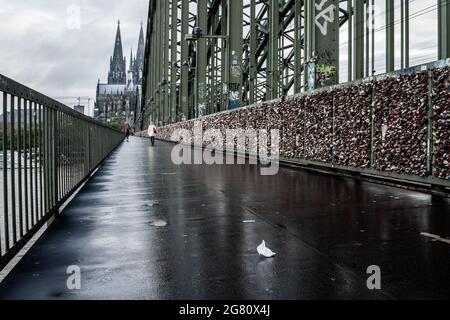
358 39
173 60
184 84
234 47
443 29
201 65
260 50
390 36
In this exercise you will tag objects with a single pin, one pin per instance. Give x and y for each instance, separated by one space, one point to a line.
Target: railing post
13 174
56 153
5 172
430 141
333 129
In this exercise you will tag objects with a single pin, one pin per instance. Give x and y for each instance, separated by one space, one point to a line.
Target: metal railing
47 152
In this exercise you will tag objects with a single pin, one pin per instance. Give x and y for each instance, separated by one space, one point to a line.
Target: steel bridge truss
252 51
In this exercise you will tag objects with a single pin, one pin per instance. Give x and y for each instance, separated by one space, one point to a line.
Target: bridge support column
184 85
234 49
298 43
173 61
443 29
273 72
166 46
390 36
252 53
322 38
202 60
224 57
358 40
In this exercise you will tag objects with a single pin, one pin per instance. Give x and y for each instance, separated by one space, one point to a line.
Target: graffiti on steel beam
324 16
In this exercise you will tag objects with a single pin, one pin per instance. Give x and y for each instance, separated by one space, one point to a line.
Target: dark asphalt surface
325 230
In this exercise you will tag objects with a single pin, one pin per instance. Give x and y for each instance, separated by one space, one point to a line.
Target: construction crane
76 100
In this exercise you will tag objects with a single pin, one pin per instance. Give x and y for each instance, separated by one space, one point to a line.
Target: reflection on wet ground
144 228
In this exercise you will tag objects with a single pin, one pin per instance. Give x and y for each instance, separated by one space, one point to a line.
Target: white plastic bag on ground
264 251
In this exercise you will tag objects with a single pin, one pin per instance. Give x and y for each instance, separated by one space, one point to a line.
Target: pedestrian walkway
144 228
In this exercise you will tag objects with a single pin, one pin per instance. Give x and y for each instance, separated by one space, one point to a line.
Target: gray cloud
38 49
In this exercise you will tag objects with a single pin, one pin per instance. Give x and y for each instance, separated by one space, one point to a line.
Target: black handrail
48 151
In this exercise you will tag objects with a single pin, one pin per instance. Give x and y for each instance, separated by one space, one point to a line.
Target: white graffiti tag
324 16
320 5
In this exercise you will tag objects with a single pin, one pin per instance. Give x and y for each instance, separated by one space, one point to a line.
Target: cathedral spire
117 73
118 52
131 60
140 57
141 45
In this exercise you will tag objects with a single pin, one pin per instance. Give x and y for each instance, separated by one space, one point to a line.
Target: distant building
79 108
121 96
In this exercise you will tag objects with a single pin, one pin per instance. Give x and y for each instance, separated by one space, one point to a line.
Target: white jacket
151 131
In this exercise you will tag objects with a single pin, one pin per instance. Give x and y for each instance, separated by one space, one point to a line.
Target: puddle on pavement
153 204
157 223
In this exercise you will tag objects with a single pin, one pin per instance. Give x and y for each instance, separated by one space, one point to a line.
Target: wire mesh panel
441 123
352 123
46 151
401 125
319 127
292 128
394 125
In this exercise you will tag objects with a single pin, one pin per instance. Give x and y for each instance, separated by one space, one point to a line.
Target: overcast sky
41 45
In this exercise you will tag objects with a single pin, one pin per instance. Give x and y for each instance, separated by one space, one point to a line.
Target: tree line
22 144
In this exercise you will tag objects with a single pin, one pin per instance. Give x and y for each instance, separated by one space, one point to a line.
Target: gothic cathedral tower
117 70
138 66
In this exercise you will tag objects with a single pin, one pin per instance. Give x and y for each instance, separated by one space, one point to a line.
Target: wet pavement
144 228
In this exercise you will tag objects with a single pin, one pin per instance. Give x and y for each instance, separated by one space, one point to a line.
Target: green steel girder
266 54
443 29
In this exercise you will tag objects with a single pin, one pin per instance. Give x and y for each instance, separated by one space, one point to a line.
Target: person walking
152 132
127 130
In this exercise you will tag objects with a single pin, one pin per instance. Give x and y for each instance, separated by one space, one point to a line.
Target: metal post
225 56
430 139
373 37
56 155
26 154
157 64
308 44
235 20
173 61
5 171
350 39
326 41
390 36
184 84
13 173
372 129
41 140
406 33
402 34
35 136
359 40
443 29
19 149
297 47
202 23
30 115
252 52
367 10
272 56
152 87
166 46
